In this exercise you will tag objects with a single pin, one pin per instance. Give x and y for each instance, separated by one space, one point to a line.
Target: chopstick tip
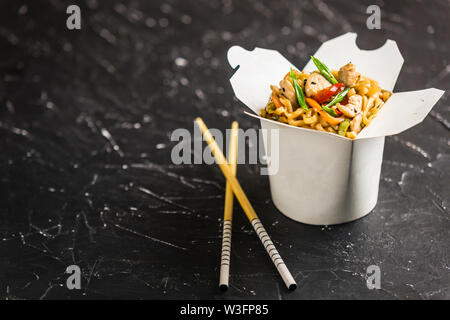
223 287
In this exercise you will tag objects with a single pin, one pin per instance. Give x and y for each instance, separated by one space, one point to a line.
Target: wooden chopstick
247 207
228 211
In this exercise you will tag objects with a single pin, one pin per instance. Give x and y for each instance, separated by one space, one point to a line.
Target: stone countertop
87 178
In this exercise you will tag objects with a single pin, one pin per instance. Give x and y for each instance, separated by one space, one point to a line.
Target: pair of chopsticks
233 186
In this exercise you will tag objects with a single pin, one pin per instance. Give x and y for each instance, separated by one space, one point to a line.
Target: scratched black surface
86 175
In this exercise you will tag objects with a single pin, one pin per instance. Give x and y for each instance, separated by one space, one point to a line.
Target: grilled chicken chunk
288 91
353 106
277 91
348 75
315 83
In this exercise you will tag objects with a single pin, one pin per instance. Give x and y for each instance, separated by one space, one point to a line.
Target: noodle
359 107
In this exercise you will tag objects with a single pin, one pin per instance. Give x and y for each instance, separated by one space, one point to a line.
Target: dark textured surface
86 176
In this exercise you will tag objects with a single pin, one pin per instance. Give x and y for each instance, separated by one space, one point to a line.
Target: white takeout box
324 178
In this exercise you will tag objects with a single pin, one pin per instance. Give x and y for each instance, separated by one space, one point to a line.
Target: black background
69 197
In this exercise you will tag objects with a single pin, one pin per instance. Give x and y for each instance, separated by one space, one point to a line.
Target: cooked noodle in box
332 117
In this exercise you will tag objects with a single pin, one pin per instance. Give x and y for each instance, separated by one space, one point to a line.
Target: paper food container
324 178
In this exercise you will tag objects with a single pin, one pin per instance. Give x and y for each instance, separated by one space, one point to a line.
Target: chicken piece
288 91
301 78
353 106
348 75
275 90
355 124
315 83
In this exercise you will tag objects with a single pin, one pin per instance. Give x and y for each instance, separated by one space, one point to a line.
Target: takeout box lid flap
260 68
382 64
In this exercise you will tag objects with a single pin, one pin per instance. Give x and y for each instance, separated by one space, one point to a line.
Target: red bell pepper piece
345 100
337 111
327 93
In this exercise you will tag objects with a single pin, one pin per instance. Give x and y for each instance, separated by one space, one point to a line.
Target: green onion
338 98
270 106
298 91
343 127
324 71
330 111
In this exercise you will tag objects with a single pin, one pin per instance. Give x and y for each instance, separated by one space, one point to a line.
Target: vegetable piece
343 127
270 106
298 91
316 106
338 98
339 113
276 101
313 104
331 120
330 111
345 100
325 94
324 71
